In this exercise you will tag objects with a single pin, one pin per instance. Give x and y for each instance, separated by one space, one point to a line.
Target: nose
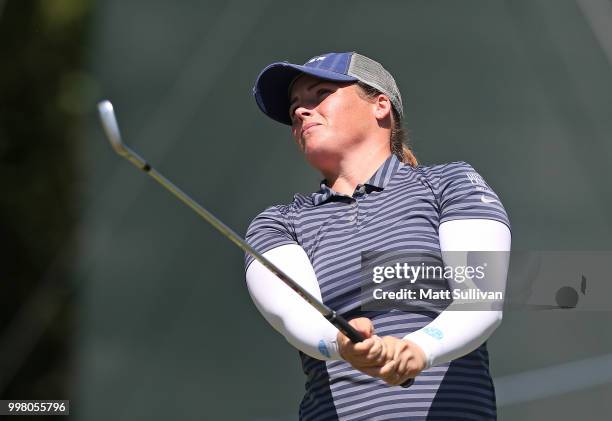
302 112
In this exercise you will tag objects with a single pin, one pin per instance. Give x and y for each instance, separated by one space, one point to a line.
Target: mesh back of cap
373 74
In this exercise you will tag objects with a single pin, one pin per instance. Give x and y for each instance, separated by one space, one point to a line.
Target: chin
319 145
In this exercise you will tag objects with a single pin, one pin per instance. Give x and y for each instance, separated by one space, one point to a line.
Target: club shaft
340 322
327 312
111 128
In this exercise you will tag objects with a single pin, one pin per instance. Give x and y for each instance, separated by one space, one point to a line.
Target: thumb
363 325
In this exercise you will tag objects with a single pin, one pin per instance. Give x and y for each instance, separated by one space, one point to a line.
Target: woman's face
329 118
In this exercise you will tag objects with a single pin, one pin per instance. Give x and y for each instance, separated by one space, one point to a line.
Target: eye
320 94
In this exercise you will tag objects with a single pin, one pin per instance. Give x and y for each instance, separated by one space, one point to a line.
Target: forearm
447 338
288 313
456 331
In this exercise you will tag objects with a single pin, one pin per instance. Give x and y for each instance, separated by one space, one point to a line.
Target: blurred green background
119 298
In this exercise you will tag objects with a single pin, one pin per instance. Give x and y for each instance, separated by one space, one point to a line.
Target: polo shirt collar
385 172
378 181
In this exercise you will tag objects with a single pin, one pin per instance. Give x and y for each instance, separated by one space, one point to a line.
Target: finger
348 350
406 362
402 355
370 371
397 379
363 348
371 359
400 348
387 351
390 347
387 371
390 379
342 339
357 354
376 354
403 365
380 372
344 344
363 325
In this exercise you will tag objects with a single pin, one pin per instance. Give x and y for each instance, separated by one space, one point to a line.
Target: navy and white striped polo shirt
398 209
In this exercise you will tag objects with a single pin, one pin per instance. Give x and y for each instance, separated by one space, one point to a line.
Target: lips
308 126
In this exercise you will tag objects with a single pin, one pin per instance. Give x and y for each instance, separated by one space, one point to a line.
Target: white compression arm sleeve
458 332
308 331
303 326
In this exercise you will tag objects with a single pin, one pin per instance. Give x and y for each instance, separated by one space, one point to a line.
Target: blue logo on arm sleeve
434 332
323 349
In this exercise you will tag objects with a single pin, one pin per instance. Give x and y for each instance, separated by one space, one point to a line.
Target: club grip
343 326
407 383
354 335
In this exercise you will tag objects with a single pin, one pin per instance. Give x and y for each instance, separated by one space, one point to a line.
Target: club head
111 128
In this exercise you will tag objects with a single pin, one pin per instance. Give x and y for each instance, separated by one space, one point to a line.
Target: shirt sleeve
464 194
269 229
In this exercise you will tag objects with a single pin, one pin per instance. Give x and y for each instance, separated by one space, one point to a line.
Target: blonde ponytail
398 139
399 143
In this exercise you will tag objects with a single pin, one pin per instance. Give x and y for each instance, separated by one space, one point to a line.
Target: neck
356 168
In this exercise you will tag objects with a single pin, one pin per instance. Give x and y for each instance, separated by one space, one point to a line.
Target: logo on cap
312 60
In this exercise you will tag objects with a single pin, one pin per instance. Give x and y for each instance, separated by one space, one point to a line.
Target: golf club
111 128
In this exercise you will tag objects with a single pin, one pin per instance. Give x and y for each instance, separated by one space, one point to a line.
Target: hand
372 352
389 358
406 361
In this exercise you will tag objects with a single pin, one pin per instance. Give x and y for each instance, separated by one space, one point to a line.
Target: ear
382 107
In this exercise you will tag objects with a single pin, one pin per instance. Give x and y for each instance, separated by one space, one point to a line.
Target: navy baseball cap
271 88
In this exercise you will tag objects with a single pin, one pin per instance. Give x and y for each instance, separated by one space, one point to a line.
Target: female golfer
345 113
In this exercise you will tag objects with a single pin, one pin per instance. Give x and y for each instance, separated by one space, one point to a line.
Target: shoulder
282 214
445 169
275 214
300 201
438 175
452 173
271 228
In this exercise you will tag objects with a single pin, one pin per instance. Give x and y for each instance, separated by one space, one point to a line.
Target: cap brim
272 87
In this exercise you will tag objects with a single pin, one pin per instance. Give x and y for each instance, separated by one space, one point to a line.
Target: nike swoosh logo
484 199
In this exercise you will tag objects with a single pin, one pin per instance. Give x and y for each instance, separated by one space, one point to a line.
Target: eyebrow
318 82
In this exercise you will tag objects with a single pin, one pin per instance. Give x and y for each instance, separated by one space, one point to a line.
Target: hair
399 142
